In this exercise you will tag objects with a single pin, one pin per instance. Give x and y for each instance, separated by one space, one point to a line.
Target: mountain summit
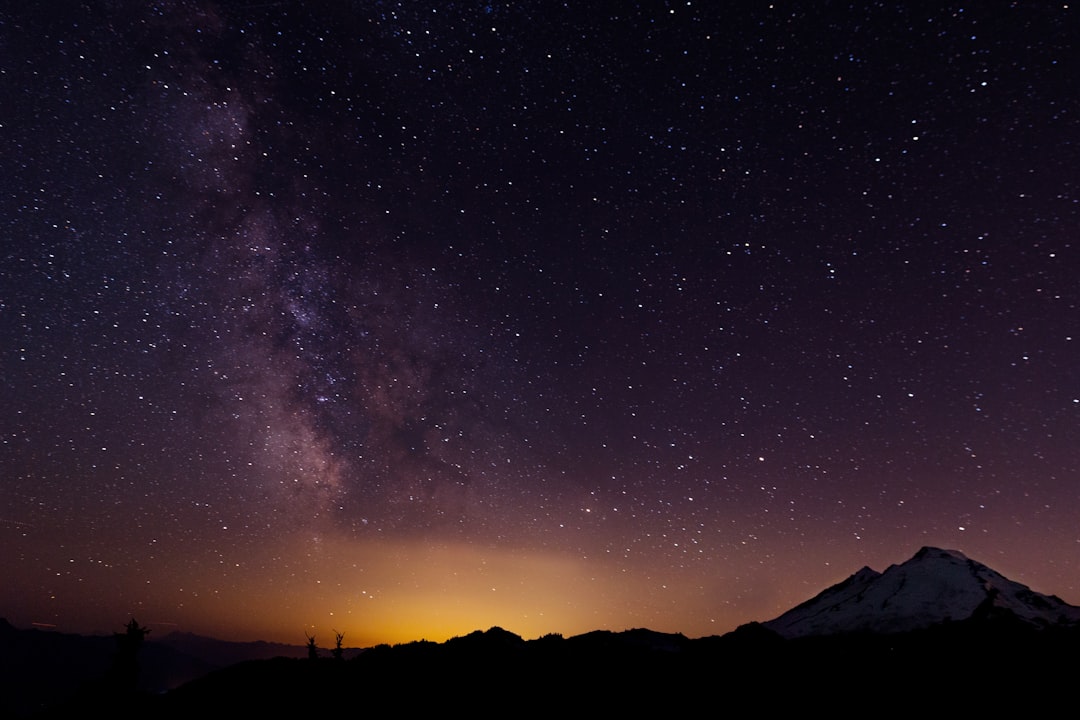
933 587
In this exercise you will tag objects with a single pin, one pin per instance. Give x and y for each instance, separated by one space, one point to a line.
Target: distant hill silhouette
996 656
40 668
968 666
221 653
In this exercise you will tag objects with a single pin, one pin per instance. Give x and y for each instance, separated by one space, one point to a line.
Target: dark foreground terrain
962 667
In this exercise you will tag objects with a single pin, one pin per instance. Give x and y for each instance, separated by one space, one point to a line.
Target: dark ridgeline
41 670
972 641
967 666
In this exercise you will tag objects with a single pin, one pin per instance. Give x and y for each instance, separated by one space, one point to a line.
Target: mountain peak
865 573
928 551
933 587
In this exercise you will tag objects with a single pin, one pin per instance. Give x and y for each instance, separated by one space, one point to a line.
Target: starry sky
407 319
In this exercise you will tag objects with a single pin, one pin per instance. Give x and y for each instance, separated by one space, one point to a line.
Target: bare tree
312 648
338 652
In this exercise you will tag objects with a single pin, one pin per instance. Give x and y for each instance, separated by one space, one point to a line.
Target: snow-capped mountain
933 587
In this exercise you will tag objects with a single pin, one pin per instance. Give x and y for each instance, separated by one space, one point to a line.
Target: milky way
412 320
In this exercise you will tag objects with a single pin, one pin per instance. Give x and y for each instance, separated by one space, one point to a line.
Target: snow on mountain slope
932 587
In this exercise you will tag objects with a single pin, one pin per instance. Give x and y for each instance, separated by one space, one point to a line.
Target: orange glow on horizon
402 591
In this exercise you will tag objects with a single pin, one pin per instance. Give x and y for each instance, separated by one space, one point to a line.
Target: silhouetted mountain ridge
40 667
221 653
932 617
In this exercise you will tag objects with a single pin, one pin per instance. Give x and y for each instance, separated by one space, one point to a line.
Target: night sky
407 319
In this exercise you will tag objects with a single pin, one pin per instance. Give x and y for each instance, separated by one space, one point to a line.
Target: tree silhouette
312 648
126 663
338 652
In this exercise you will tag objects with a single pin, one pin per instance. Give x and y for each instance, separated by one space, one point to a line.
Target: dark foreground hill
939 632
39 668
969 666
